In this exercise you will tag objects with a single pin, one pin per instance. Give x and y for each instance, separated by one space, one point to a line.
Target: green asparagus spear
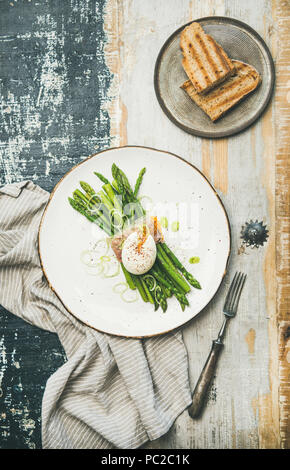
101 177
180 296
126 190
105 200
101 210
182 289
164 255
168 290
115 186
119 182
160 298
188 276
145 287
139 286
112 196
88 189
118 178
118 174
149 290
92 218
80 201
139 181
128 277
89 205
173 274
78 195
176 289
182 306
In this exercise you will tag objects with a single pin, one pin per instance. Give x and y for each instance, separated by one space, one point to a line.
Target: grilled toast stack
216 83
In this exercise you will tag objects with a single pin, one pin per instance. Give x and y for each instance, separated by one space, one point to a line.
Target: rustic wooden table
76 77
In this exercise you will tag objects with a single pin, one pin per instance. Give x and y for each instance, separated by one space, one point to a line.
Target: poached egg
138 259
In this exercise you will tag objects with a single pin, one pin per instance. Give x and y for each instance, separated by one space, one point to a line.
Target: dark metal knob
254 234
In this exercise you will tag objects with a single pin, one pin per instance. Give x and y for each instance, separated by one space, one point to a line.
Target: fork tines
234 293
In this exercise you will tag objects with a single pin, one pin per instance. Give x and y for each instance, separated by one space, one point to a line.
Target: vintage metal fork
229 310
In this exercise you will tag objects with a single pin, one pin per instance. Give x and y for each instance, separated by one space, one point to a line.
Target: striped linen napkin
112 391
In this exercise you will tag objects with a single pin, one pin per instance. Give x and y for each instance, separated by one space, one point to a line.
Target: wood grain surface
247 405
77 76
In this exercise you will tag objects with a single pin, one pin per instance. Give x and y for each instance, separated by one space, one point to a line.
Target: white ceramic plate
64 234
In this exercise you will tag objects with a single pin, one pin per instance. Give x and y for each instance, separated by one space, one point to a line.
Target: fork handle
205 378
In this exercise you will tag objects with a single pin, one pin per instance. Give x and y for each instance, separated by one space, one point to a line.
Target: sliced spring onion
141 198
175 226
105 258
89 258
95 270
117 219
120 288
148 201
157 297
126 294
194 260
129 296
94 196
151 282
116 212
126 219
107 272
102 245
97 205
97 264
163 222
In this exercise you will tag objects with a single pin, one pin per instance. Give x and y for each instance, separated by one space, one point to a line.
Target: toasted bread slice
226 95
204 61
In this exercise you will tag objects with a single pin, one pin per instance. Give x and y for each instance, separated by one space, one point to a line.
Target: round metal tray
240 42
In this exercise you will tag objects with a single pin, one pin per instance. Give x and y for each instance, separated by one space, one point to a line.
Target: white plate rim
101 153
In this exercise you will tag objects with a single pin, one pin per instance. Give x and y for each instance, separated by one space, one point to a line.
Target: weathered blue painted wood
28 356
53 84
